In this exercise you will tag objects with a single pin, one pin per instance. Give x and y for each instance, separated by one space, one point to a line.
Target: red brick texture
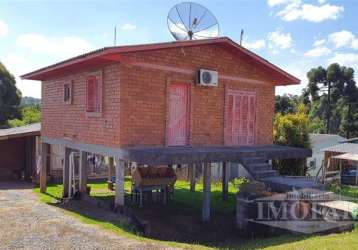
144 96
135 99
60 120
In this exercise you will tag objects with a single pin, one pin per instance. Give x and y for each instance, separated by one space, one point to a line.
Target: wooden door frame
189 108
234 91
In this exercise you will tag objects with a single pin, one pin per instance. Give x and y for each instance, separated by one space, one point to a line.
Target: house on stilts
185 102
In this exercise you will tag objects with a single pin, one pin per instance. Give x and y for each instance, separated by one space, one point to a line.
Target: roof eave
287 79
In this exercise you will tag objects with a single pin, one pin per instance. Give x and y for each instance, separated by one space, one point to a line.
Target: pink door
240 109
178 124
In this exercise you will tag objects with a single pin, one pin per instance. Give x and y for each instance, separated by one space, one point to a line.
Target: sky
295 35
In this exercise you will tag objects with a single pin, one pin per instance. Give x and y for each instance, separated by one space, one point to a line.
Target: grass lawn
348 191
187 207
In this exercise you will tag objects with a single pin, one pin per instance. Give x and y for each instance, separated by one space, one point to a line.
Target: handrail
319 170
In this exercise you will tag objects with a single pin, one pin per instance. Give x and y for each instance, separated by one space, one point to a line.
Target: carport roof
23 131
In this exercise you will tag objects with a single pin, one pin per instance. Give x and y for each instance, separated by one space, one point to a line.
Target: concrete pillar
225 181
43 170
66 173
206 192
111 171
119 196
192 177
83 172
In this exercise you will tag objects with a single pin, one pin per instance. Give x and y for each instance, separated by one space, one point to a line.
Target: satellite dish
192 21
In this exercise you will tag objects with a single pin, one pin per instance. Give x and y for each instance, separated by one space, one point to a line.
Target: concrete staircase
261 170
259 167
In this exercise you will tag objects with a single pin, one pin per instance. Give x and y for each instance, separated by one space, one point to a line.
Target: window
93 94
67 93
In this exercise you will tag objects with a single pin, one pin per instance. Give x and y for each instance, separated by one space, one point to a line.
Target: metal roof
347 156
319 138
23 131
322 141
344 148
114 54
352 140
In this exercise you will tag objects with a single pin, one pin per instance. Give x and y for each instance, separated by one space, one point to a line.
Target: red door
240 109
178 124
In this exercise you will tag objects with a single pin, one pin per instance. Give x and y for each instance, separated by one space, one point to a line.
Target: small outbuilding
319 143
18 150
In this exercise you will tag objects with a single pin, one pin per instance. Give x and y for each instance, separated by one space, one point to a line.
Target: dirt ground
26 223
180 225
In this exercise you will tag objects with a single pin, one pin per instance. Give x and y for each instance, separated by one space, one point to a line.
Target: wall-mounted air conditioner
207 77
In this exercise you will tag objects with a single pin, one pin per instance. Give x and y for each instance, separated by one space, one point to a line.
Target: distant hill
28 100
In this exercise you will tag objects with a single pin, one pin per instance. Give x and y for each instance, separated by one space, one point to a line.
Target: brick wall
60 120
144 95
135 99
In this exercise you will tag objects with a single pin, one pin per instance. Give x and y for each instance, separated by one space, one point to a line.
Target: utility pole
329 108
348 120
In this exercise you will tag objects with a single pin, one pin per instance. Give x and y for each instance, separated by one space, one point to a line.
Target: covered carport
18 150
347 158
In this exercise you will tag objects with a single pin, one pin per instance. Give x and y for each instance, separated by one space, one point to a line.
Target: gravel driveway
26 223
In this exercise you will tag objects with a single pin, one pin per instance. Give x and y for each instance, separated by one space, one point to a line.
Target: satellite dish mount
192 21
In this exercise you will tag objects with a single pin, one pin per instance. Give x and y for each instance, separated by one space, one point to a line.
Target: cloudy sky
293 34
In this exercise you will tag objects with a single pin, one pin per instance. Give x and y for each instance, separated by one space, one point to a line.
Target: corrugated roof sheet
347 156
322 138
352 140
344 148
20 131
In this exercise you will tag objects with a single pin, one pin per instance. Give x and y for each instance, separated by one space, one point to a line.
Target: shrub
292 130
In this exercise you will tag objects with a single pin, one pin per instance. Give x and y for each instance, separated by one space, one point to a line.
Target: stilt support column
119 196
206 192
192 177
83 172
43 170
225 180
111 171
66 173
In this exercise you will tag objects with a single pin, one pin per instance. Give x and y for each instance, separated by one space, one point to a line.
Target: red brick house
120 96
117 100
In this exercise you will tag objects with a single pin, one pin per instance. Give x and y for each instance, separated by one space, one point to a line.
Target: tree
284 104
332 87
10 96
30 114
292 130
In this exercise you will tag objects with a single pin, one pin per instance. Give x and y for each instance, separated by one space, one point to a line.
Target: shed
319 142
18 150
348 157
342 148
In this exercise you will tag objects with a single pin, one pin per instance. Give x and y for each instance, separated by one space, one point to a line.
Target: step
258 167
264 173
251 160
340 206
287 184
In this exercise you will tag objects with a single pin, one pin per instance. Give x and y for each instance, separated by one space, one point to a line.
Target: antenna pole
115 36
241 36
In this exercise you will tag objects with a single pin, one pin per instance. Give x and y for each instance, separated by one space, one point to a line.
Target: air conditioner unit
207 77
